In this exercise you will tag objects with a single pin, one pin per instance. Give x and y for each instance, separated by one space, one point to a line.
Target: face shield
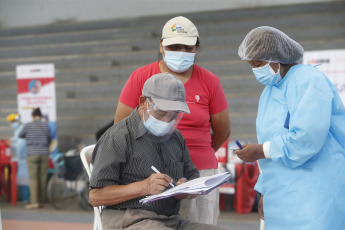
160 123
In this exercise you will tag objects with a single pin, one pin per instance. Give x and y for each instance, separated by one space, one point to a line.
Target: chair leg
94 222
262 225
97 220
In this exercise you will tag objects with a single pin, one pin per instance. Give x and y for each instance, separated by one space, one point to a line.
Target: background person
19 146
207 102
300 129
37 135
103 129
123 157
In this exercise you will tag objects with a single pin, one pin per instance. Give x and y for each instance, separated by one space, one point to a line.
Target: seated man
124 155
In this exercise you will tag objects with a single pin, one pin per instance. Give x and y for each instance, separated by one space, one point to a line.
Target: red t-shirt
204 96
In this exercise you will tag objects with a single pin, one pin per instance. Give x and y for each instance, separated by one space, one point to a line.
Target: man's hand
250 152
181 181
157 183
261 207
184 195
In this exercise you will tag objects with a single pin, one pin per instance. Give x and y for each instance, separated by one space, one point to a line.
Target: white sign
36 89
332 64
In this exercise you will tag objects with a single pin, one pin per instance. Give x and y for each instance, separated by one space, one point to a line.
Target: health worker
19 146
301 134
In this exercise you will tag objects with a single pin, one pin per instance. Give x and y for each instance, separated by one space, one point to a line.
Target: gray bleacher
93 60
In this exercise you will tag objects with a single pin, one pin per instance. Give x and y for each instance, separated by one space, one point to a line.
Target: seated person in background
102 130
123 157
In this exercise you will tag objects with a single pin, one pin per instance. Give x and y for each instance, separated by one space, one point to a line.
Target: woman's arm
309 98
220 124
122 111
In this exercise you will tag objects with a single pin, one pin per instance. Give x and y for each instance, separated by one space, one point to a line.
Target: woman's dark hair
36 112
197 44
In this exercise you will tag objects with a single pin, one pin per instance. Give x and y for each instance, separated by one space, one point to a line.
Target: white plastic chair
86 156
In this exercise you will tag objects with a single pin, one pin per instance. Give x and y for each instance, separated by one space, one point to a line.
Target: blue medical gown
19 146
303 183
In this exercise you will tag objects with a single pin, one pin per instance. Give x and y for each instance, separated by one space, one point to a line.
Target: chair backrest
86 157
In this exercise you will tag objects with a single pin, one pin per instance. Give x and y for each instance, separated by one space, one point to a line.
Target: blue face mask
178 61
266 75
15 125
157 127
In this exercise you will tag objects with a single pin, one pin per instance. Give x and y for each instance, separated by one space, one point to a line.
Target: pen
156 170
240 146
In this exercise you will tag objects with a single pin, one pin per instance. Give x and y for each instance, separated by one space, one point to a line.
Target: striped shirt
125 154
37 135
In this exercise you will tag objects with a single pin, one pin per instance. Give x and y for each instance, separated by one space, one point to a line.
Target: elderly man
124 155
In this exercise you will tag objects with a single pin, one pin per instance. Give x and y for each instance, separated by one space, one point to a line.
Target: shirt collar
137 125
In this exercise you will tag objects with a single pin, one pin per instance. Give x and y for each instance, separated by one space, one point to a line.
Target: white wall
18 13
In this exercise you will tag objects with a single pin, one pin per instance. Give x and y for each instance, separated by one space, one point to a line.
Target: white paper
201 185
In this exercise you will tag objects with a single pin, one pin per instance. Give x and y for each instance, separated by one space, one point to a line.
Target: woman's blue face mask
178 61
266 75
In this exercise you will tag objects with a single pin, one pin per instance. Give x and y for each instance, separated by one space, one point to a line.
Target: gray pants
142 219
204 208
38 169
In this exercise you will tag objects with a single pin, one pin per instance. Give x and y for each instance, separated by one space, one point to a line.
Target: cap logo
176 28
181 93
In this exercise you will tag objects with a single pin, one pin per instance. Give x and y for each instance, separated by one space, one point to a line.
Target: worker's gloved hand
250 152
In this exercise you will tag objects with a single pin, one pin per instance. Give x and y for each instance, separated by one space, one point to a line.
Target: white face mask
178 61
157 127
266 75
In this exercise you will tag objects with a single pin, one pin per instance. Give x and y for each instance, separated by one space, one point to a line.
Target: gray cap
167 92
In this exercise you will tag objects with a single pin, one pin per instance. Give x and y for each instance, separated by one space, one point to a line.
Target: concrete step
93 60
201 17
